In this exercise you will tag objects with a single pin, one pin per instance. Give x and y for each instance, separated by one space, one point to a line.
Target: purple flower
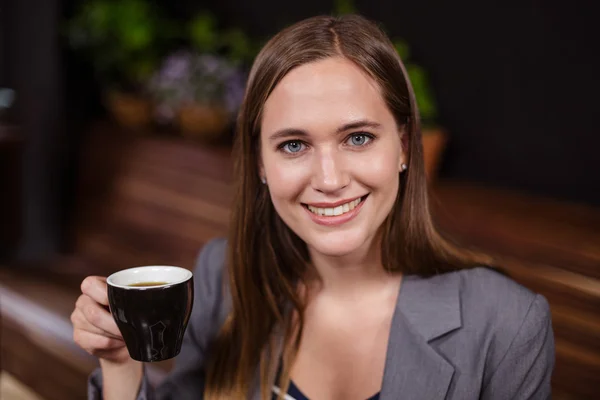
176 66
234 93
185 77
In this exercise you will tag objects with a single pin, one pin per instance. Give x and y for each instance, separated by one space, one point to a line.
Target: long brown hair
266 259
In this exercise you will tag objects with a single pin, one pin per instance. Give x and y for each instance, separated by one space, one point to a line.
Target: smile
337 210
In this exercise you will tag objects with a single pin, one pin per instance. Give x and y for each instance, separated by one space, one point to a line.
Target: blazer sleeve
525 370
186 380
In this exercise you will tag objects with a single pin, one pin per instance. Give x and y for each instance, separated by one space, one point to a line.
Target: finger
95 287
101 346
80 322
97 316
93 343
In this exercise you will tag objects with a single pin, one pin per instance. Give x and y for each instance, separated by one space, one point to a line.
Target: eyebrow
294 132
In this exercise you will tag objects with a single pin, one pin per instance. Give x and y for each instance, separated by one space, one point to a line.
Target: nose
329 172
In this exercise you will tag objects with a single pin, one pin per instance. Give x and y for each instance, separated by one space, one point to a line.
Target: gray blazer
470 334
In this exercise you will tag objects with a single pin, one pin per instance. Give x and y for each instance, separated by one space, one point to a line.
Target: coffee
146 284
151 306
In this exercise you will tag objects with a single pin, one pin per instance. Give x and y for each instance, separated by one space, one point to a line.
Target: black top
295 394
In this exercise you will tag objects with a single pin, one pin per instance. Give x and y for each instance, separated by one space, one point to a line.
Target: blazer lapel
426 309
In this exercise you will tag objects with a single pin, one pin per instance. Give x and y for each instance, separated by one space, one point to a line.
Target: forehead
323 95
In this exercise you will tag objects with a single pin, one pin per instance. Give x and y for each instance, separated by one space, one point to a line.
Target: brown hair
266 259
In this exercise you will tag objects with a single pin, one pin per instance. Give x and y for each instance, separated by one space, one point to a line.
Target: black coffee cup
151 306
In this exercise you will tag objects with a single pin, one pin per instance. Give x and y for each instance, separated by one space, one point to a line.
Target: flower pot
202 122
129 110
434 143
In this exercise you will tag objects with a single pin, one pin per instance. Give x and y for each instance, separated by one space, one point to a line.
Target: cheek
286 178
379 172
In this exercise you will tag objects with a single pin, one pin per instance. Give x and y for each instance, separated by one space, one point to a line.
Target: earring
404 167
263 180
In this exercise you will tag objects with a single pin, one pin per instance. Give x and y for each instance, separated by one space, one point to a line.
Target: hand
94 328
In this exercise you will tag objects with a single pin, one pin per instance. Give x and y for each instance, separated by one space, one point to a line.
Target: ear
404 143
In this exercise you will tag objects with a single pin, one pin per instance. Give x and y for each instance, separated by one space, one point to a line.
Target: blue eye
359 139
293 147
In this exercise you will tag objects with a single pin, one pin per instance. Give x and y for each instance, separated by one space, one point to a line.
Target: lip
339 219
333 205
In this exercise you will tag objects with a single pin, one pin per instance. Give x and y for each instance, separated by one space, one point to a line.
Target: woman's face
331 153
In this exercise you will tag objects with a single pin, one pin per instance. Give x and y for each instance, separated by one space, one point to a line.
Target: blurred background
116 119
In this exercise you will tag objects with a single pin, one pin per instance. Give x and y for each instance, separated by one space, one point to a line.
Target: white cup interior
154 273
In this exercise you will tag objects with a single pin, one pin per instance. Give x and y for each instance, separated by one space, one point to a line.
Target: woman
337 285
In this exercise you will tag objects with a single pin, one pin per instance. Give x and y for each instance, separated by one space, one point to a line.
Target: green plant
421 86
241 49
344 7
203 33
121 39
232 43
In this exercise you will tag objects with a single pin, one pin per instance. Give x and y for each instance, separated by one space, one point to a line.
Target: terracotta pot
202 122
434 143
129 110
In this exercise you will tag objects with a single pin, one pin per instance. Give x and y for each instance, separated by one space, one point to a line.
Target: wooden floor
12 389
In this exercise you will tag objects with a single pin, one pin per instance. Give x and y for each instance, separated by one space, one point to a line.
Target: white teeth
335 211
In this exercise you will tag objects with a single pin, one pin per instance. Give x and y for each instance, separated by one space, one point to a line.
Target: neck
348 275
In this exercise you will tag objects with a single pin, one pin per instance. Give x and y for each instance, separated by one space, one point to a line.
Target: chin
336 244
